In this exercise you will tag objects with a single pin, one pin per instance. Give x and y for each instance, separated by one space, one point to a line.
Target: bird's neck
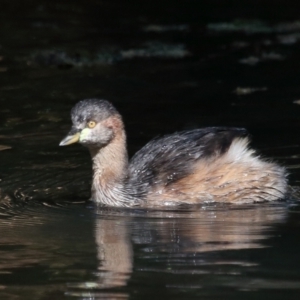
110 163
110 166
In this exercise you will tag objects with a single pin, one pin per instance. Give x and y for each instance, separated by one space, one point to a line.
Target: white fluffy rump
248 178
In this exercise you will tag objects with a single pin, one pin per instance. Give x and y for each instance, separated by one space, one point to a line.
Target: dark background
166 65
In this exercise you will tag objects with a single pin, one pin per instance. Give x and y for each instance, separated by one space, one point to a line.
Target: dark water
167 66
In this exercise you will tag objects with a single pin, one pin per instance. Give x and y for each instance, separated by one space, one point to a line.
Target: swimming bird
213 164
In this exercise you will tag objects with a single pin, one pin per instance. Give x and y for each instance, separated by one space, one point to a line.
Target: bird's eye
91 124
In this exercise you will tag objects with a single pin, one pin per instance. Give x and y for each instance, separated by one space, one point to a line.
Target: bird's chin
91 145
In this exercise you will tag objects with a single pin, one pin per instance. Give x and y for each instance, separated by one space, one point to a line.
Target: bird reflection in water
114 252
165 235
127 247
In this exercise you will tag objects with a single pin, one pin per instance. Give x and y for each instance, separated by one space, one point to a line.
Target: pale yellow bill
70 139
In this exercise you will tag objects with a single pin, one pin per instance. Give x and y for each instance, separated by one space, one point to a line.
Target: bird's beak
71 138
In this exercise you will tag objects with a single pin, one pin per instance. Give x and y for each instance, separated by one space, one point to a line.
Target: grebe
212 164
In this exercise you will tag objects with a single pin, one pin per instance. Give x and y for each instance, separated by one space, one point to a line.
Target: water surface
209 251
